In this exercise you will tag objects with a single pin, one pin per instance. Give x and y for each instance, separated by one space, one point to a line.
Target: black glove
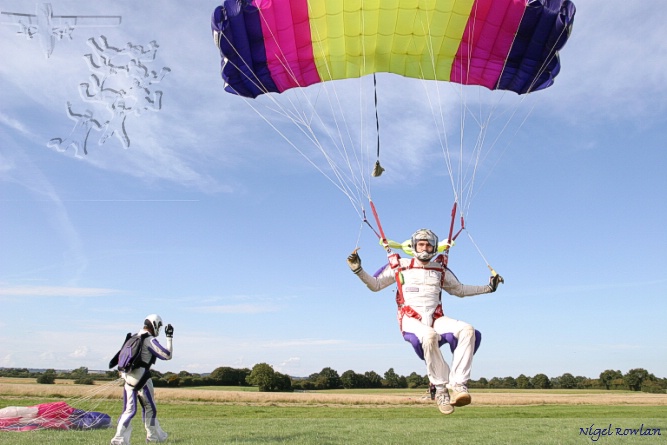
354 261
494 281
169 331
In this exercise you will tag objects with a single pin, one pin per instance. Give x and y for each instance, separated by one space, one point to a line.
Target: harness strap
400 299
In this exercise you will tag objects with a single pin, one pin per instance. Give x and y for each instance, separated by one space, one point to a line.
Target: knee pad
468 331
432 338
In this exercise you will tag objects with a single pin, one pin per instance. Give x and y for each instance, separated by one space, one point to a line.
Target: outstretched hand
169 331
494 281
354 261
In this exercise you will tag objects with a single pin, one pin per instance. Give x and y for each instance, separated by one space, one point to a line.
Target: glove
169 331
494 281
354 261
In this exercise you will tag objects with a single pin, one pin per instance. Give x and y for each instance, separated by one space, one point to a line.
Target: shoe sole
446 410
462 400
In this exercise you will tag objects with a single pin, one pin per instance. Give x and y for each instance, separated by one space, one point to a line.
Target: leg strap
444 338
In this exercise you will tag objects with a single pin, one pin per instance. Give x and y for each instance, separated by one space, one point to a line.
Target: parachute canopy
54 415
274 45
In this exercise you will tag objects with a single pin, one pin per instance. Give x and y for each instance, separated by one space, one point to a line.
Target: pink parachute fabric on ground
54 415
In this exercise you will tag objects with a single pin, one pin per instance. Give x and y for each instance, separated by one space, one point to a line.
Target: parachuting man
138 383
421 319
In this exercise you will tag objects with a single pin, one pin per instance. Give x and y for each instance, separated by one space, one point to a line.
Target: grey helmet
154 321
426 235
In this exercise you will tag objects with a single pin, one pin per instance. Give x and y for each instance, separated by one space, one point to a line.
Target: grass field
227 416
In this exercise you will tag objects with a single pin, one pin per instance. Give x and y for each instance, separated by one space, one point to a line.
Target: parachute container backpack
129 356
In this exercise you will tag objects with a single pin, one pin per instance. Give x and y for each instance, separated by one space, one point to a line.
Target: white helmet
154 321
425 235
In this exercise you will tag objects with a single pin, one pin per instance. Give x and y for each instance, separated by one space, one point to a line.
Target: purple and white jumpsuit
420 313
139 386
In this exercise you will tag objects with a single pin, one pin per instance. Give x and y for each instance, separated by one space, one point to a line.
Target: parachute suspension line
481 135
341 148
553 53
513 113
357 179
304 124
340 185
436 112
463 189
455 175
361 229
493 271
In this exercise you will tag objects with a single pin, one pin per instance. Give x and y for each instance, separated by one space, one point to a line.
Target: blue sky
212 220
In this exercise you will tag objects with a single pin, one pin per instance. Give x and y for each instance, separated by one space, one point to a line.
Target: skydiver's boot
155 434
442 399
460 394
122 436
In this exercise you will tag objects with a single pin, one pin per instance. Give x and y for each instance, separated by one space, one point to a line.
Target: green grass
209 423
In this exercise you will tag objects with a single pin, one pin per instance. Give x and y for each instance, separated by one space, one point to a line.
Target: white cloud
13 123
54 291
80 352
246 308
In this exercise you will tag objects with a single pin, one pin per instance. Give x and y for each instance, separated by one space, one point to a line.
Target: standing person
420 283
138 383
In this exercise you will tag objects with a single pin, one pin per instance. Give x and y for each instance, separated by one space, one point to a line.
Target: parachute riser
442 247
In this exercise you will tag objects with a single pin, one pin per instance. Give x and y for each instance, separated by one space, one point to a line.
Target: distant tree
509 382
586 383
391 378
350 379
652 386
606 377
582 381
227 376
81 377
79 373
541 381
523 382
372 379
48 377
173 380
495 382
281 382
567 381
15 372
415 380
303 385
262 376
635 377
329 379
186 381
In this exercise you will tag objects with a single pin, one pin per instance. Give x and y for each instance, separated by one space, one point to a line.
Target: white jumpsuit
133 390
420 313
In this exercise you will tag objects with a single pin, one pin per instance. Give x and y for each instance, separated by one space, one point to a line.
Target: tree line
263 376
